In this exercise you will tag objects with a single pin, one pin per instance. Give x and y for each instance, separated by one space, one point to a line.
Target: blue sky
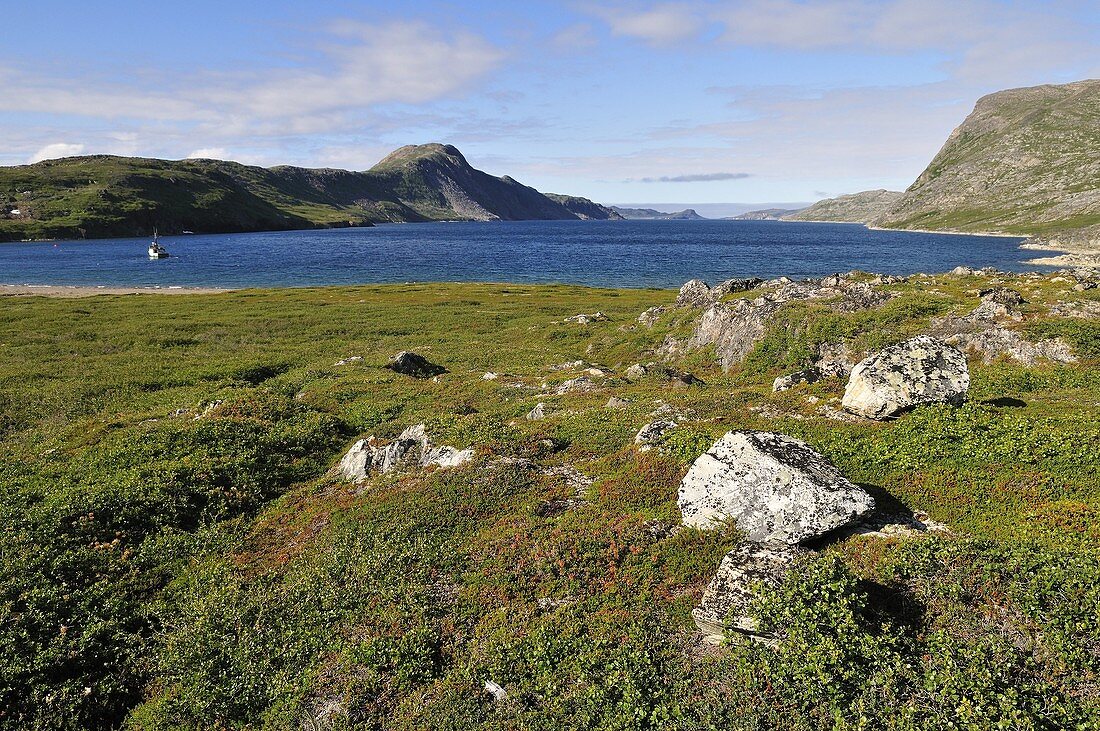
701 101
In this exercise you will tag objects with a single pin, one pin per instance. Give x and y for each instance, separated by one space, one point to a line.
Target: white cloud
661 24
209 153
56 150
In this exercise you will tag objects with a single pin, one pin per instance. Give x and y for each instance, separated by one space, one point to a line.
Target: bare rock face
922 370
733 328
413 364
695 293
776 489
733 588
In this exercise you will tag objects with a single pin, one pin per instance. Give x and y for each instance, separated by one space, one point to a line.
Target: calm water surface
600 253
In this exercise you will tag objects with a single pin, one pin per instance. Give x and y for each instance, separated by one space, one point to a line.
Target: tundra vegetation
179 552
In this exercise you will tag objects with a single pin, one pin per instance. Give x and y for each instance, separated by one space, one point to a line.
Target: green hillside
101 195
1025 161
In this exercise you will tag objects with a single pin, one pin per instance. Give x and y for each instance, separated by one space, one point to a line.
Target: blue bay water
598 253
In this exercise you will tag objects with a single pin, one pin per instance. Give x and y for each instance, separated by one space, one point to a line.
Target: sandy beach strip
59 290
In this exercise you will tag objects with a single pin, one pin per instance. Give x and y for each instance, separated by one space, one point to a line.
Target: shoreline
91 290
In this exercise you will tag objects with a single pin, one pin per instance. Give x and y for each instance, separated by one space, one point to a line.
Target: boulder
357 463
695 293
617 403
743 570
682 379
653 433
576 385
922 370
636 372
733 328
776 489
413 364
789 381
537 413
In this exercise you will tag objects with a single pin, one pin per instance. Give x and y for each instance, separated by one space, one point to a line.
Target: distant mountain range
764 214
650 214
102 195
861 207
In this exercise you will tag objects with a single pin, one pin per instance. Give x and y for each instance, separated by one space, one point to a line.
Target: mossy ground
161 571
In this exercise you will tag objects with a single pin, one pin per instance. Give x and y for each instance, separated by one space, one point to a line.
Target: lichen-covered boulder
413 364
653 434
922 370
775 488
695 293
743 570
412 448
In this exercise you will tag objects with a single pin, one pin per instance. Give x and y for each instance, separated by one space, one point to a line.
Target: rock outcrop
983 333
413 447
922 370
695 293
653 434
775 488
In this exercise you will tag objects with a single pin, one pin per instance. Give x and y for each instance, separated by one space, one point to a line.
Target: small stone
537 413
636 372
584 319
617 403
649 317
352 359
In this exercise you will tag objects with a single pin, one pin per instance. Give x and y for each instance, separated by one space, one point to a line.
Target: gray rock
776 489
834 359
695 293
735 285
982 333
412 364
742 571
1002 296
789 381
575 385
653 434
922 370
584 319
636 372
357 463
649 317
537 413
617 403
682 379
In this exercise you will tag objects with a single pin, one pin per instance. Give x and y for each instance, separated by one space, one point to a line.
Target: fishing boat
156 251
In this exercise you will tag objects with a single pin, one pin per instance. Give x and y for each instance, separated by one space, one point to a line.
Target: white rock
775 488
922 370
539 412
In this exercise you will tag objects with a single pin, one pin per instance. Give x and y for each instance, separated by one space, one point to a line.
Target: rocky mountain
765 214
1026 161
861 207
103 195
650 214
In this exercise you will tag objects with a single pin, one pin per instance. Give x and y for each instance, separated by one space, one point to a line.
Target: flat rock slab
743 571
776 489
922 370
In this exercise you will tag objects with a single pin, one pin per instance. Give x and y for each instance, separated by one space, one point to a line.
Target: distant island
650 214
103 195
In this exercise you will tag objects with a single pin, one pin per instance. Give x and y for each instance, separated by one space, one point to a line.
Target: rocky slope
584 209
103 195
1026 161
861 207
